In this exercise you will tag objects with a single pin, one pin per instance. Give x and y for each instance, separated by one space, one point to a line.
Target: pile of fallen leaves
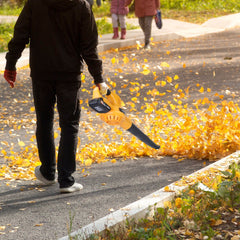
203 129
202 211
210 133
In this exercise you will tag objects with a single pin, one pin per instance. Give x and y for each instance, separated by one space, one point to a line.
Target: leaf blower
110 111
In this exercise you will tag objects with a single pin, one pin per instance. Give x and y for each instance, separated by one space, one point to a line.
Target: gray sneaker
75 187
41 178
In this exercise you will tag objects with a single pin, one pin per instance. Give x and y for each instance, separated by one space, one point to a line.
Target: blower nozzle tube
141 136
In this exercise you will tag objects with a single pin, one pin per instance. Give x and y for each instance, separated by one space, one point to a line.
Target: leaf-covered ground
183 94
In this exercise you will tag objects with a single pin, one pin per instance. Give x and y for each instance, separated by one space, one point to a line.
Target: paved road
29 211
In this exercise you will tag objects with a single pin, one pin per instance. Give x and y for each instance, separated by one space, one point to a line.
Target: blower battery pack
99 105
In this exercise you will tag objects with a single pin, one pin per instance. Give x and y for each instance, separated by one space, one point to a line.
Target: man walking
62 34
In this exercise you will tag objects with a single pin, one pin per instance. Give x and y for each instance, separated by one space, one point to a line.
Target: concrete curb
145 206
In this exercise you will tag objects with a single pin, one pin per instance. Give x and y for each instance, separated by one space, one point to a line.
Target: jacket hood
61 5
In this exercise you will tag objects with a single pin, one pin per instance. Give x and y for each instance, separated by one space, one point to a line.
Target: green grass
103 10
200 5
9 10
6 33
194 11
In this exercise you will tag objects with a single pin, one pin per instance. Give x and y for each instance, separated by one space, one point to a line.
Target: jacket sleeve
88 45
20 37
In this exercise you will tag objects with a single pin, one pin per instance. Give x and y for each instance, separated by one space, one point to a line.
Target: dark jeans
66 94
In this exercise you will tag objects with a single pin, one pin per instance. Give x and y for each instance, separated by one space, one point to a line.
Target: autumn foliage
203 129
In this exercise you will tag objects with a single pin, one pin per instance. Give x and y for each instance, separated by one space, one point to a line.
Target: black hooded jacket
62 33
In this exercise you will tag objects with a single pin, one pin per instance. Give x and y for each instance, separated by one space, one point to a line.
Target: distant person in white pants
119 12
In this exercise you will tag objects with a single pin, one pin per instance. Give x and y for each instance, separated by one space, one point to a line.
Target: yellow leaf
4 143
169 79
201 90
167 189
216 222
119 70
126 60
113 60
124 86
167 204
113 84
178 202
4 152
32 109
38 225
176 77
191 192
2 228
145 71
164 64
88 162
21 143
163 83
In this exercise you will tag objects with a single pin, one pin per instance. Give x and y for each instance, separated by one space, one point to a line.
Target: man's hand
10 76
103 88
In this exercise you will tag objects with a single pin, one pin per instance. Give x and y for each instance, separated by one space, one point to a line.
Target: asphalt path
30 211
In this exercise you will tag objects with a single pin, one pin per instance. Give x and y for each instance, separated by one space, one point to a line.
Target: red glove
10 76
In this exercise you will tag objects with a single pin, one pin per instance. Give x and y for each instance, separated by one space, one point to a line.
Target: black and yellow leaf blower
110 111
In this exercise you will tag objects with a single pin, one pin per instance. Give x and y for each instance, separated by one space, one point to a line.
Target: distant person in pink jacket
145 10
119 12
